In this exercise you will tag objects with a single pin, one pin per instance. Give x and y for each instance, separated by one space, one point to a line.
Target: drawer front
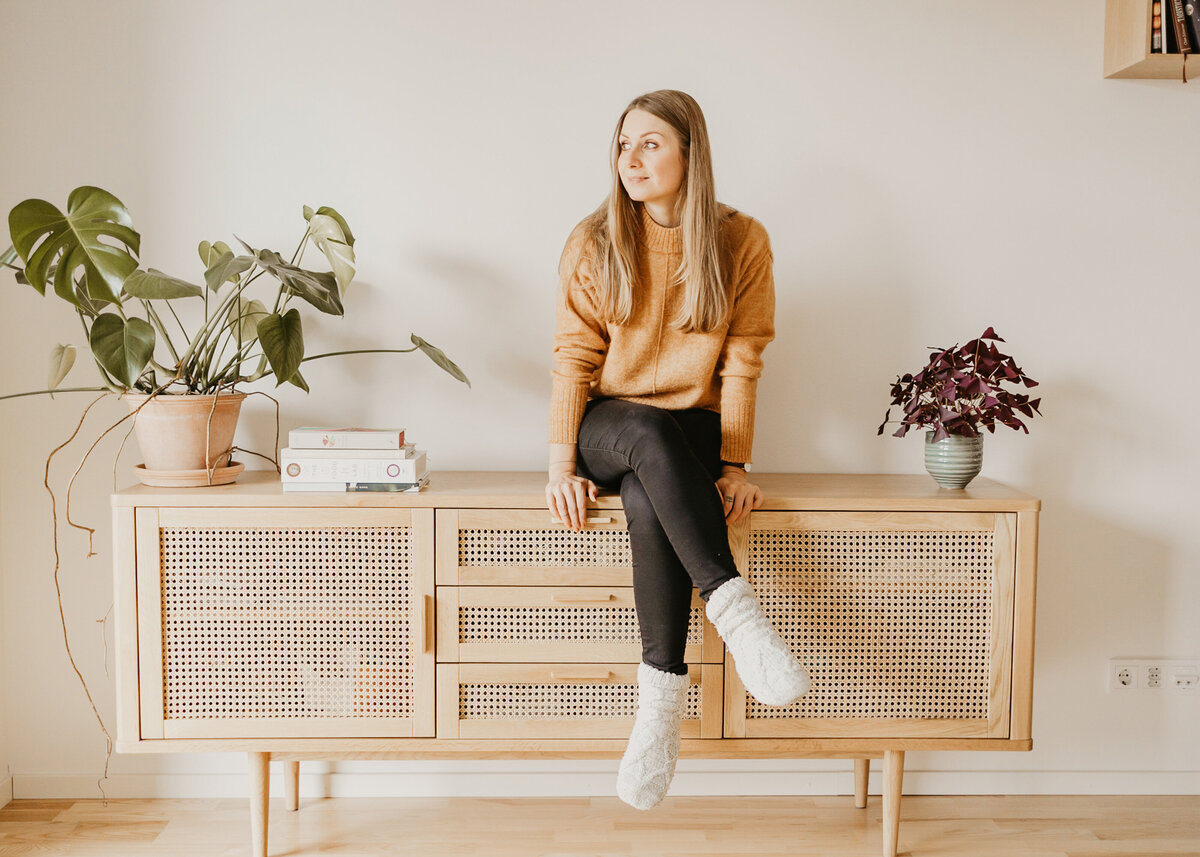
903 621
536 623
264 622
561 701
498 547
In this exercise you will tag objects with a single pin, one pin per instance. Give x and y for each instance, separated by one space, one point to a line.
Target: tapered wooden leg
292 781
893 787
260 789
862 774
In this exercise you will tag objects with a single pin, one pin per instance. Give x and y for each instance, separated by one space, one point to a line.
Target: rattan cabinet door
512 547
904 621
582 624
282 622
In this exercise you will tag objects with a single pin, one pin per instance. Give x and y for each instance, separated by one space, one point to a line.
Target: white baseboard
6 790
339 779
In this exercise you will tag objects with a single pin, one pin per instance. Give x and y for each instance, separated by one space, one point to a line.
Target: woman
666 304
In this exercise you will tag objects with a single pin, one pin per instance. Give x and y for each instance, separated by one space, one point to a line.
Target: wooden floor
830 826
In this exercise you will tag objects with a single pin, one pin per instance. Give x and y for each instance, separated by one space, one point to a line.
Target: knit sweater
648 360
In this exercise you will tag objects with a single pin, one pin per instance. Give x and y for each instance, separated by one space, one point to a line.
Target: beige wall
923 174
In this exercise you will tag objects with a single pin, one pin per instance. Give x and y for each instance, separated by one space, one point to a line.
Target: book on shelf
396 468
317 437
358 487
1156 32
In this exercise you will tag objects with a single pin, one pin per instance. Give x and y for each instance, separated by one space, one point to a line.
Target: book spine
310 439
1182 41
1156 34
406 451
352 470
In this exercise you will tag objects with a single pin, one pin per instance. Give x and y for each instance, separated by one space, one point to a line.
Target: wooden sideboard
465 622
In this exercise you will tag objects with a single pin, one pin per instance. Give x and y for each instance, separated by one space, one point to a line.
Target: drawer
561 701
541 623
507 547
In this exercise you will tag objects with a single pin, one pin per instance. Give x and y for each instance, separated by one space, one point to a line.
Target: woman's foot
648 765
770 672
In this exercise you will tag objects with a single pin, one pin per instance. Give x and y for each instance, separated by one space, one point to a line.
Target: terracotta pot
173 432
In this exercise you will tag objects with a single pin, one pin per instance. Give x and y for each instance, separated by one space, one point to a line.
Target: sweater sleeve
751 327
580 343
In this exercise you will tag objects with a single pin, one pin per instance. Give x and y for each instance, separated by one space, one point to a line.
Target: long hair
613 229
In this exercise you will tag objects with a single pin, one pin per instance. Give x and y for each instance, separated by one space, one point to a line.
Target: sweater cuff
567 404
737 417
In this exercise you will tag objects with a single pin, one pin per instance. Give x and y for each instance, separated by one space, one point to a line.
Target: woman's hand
738 495
566 497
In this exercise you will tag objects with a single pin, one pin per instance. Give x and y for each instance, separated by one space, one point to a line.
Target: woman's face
651 162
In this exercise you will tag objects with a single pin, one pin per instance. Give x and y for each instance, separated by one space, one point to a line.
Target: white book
352 469
407 451
358 487
317 437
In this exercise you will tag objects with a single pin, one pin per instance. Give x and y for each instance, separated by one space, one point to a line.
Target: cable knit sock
770 672
648 765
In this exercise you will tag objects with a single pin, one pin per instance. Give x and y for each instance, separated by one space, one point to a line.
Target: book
394 469
317 437
408 450
1156 32
358 487
1191 11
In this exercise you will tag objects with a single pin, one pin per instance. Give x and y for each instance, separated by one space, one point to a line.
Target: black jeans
666 464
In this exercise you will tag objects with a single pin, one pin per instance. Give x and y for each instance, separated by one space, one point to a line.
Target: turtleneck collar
661 238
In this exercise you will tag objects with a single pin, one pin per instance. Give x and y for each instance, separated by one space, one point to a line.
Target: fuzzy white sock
770 672
648 765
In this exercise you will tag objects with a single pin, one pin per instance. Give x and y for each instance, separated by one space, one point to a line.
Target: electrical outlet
1154 676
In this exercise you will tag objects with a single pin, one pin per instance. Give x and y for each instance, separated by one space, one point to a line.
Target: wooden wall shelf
1127 44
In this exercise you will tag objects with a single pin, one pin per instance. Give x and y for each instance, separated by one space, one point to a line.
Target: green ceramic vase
953 461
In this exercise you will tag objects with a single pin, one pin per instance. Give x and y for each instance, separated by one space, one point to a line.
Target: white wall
923 174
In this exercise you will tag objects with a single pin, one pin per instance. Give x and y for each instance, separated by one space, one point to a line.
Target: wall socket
1151 675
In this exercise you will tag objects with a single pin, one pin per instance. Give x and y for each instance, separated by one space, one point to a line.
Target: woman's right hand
566 497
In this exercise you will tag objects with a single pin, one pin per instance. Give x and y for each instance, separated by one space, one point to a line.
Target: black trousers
665 464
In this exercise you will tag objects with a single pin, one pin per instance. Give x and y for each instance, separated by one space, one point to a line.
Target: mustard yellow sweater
648 360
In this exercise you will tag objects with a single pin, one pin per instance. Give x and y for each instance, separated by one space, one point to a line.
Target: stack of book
351 459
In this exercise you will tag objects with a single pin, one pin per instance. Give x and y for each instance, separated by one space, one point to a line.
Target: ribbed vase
955 460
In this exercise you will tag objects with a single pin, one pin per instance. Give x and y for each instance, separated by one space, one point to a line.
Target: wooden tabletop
488 489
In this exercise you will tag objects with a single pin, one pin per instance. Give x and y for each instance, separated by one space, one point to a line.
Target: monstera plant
142 346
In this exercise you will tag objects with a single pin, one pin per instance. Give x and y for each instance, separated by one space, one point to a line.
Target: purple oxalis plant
960 390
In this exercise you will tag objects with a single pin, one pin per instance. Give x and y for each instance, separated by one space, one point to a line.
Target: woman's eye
652 143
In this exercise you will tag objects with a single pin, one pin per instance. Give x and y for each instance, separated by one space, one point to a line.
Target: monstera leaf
283 342
45 237
439 357
226 267
152 284
332 236
122 347
320 290
246 314
62 358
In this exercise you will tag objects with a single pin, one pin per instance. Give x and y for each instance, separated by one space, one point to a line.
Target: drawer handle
585 676
582 599
595 519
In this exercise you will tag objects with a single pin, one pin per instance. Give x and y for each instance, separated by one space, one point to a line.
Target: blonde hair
613 229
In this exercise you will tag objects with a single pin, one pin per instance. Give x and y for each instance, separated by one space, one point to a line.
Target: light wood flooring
830 826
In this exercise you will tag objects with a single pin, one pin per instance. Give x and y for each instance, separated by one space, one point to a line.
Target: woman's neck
662 214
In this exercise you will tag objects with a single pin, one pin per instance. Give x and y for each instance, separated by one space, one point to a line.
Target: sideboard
465 622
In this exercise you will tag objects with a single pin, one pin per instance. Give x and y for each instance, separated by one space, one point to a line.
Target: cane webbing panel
575 624
292 622
889 624
573 701
544 548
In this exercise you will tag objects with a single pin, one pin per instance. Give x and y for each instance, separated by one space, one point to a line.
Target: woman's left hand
738 495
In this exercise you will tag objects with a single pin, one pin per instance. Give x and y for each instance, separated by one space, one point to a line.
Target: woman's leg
617 438
662 590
